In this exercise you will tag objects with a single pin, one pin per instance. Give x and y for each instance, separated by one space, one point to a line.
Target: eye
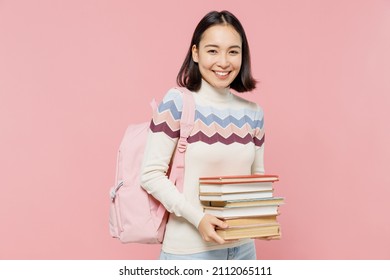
212 51
234 52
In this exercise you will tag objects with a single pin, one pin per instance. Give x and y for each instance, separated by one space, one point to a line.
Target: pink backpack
135 216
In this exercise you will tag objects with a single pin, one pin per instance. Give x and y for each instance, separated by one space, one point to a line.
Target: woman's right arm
160 146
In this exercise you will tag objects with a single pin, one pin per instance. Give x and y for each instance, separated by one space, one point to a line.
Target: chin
221 86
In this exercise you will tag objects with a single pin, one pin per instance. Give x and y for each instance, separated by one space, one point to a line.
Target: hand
268 238
207 227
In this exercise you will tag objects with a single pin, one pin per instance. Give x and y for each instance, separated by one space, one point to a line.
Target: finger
219 223
268 238
231 240
218 239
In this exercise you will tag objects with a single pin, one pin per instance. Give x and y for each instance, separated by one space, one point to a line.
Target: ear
195 54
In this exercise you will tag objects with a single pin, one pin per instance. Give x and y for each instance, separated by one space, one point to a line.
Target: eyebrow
216 46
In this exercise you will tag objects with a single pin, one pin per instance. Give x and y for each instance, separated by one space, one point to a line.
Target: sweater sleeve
258 139
160 146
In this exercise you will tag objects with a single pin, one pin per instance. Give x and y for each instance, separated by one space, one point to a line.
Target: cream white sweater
227 139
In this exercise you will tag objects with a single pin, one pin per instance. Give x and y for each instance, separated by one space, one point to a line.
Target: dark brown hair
189 75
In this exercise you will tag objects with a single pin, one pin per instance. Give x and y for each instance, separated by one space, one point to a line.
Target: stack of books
245 203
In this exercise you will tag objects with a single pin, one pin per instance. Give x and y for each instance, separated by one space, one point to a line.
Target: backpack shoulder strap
186 126
187 118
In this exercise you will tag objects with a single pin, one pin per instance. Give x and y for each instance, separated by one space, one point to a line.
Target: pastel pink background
73 74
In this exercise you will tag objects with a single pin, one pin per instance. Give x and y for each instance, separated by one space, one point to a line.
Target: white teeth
222 73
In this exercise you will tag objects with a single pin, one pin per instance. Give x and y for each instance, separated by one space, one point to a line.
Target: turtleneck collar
211 93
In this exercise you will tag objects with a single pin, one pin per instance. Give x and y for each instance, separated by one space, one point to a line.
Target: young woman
227 139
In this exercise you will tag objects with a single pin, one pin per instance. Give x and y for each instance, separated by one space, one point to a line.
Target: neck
215 94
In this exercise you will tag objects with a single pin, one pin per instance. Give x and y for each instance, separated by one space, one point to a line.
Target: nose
223 61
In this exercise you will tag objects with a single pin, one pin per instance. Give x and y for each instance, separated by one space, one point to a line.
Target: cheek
237 63
206 62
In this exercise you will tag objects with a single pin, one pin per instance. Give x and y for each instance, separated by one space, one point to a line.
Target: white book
229 212
235 188
234 196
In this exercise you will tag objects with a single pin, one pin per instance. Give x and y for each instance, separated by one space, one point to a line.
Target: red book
239 179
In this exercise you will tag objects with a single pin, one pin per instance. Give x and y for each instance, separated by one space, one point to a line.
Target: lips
222 74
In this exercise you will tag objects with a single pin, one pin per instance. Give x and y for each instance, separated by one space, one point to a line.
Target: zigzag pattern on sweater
211 125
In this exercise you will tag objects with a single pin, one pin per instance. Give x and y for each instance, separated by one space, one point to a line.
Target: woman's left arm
258 140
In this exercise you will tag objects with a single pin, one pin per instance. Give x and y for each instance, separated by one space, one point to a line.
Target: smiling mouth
222 74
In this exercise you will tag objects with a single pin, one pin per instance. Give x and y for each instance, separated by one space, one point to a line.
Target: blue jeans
244 252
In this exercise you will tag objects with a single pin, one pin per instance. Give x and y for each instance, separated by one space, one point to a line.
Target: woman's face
219 55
